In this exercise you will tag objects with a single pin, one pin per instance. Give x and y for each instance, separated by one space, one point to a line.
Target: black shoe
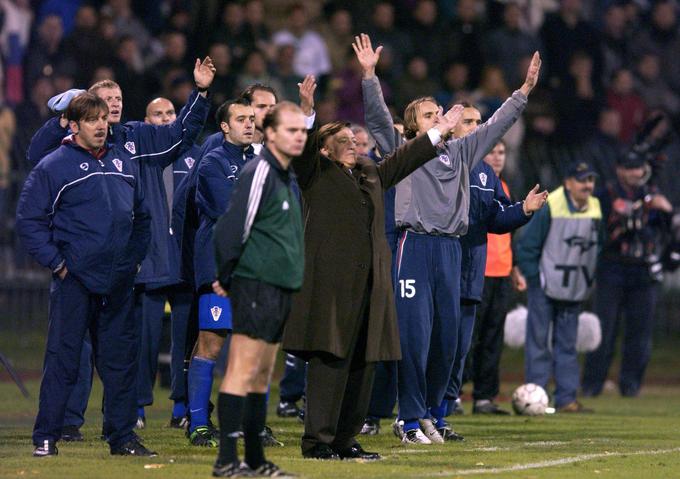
448 434
287 409
179 422
371 427
357 452
234 469
71 434
321 451
132 448
48 448
269 469
203 437
268 439
489 408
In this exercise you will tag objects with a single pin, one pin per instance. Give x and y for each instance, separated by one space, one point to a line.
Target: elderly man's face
342 147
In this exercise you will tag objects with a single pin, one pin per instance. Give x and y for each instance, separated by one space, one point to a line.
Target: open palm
368 58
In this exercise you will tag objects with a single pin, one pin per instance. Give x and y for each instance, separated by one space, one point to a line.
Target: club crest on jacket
189 161
482 178
130 146
84 166
118 164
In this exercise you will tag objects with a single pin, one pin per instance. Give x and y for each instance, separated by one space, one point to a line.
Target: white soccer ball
530 400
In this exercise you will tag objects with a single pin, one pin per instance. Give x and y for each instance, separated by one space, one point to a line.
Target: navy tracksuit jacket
87 213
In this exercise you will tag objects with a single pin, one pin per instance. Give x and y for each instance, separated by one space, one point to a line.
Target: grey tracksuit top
435 199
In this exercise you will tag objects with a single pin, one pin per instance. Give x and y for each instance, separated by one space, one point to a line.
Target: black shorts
259 310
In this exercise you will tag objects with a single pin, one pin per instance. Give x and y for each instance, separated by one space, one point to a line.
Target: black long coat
341 247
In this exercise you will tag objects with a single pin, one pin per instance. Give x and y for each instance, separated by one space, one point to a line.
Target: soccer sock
253 423
140 412
230 413
438 413
200 380
179 409
411 424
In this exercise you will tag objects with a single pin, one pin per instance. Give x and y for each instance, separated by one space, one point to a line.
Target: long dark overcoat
340 251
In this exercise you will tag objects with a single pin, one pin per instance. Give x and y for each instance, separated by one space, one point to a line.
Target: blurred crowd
608 66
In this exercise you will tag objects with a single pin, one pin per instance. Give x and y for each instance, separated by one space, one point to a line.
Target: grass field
625 438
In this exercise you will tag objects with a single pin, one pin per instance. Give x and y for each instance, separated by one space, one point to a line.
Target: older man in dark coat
344 318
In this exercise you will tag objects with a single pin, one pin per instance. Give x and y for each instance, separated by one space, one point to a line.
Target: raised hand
204 73
368 58
532 74
534 200
448 121
307 88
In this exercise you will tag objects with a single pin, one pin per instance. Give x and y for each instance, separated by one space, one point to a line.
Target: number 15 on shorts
407 288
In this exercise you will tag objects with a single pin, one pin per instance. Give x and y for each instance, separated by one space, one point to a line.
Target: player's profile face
426 116
289 136
263 102
114 99
468 123
241 126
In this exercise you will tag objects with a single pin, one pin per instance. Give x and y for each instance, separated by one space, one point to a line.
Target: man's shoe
321 451
371 427
48 448
203 437
448 434
430 431
71 434
179 422
269 469
415 436
575 407
489 407
398 428
141 422
268 439
234 469
132 448
357 452
287 409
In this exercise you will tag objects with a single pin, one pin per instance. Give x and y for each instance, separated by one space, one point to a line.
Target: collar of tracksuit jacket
70 140
238 152
286 173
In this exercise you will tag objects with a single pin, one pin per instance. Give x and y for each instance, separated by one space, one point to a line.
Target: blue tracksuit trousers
427 292
468 313
115 340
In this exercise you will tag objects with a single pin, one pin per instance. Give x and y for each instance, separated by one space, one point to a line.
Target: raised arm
164 142
376 114
477 144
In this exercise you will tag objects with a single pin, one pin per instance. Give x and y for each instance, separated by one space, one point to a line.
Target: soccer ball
530 400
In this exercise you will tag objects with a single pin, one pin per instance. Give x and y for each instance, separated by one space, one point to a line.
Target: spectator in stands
311 53
491 93
129 70
616 40
31 114
347 89
604 148
174 58
395 42
86 44
466 39
653 89
563 34
429 37
47 51
509 43
622 97
233 32
455 85
258 32
255 70
415 83
661 38
126 23
337 33
285 74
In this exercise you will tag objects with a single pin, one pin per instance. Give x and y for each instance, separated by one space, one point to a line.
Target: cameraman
637 221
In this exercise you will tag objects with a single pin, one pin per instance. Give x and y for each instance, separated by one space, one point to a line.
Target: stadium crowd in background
605 107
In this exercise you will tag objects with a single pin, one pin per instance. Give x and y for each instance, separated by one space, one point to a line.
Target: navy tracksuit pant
73 311
427 292
150 311
622 290
77 401
292 384
468 312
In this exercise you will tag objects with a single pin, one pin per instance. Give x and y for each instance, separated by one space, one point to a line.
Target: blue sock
438 413
200 380
140 412
179 409
409 425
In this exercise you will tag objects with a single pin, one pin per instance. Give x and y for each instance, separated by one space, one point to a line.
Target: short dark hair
223 113
330 129
248 92
273 117
84 106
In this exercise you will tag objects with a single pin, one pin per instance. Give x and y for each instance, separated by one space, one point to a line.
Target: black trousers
487 343
338 393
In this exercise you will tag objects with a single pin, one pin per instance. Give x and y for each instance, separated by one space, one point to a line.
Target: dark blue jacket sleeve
214 188
33 218
163 143
45 140
507 216
141 225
